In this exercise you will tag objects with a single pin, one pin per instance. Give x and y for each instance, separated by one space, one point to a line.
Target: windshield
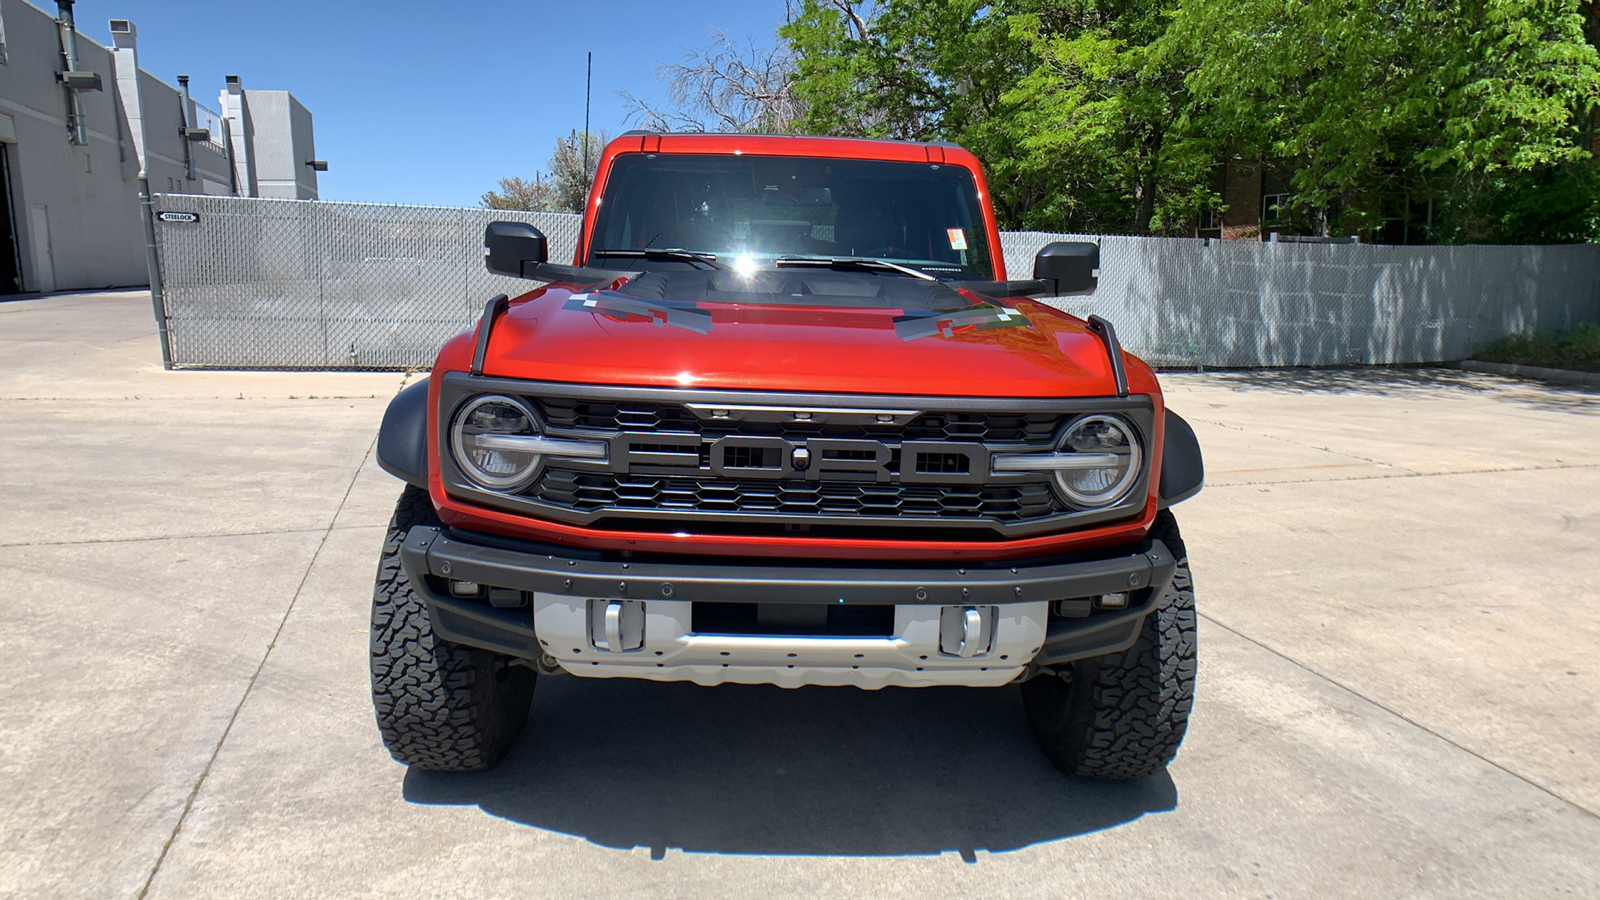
763 208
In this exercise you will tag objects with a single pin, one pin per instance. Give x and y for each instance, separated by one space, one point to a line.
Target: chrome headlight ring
495 441
498 443
1097 461
1111 461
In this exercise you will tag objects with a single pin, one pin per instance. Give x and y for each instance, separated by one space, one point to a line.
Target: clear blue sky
429 103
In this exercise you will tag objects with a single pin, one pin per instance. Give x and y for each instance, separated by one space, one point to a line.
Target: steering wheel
880 251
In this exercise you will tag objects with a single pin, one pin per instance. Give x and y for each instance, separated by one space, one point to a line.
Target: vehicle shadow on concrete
754 769
1359 379
1529 393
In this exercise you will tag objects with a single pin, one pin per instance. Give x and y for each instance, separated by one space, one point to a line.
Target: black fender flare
1183 472
403 437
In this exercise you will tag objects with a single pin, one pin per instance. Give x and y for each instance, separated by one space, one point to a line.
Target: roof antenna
588 89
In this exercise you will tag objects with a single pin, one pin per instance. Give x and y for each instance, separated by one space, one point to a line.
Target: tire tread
1124 715
439 706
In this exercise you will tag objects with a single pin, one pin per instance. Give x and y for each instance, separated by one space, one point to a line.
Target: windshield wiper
688 316
657 255
851 262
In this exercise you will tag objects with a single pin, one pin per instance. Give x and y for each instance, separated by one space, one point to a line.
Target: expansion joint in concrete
1406 474
163 537
1402 716
199 782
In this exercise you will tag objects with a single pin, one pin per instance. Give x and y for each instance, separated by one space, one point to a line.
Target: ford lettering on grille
813 459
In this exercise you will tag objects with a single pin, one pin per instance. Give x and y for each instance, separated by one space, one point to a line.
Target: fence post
152 262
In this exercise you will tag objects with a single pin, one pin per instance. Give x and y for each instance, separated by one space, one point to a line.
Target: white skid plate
1011 634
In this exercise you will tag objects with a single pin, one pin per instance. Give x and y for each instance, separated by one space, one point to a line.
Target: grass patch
1576 349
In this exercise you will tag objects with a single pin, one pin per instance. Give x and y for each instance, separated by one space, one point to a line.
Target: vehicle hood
798 331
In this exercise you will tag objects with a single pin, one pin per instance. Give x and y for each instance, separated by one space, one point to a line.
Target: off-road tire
1122 716
440 706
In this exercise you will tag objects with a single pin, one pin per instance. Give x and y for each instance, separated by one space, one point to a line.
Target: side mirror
1071 267
514 248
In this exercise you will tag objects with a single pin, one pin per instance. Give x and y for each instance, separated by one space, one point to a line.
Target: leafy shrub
1578 348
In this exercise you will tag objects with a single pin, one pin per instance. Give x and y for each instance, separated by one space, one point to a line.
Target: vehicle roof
793 145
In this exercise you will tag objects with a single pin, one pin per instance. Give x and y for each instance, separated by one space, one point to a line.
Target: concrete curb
1558 376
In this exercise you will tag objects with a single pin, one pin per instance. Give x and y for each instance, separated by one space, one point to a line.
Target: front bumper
1009 611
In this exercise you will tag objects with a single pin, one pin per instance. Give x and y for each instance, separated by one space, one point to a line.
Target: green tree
1365 106
1078 129
855 70
565 188
517 193
573 164
925 70
1109 115
1104 103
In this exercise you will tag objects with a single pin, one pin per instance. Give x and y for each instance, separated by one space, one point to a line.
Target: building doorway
10 270
44 267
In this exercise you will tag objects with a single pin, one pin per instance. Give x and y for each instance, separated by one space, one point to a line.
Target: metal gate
258 283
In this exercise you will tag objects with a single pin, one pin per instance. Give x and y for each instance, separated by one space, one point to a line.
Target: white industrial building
78 124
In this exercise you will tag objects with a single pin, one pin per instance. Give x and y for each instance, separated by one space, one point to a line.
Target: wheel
440 706
1122 716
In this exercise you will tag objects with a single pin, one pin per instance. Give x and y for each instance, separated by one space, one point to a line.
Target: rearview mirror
1072 267
514 248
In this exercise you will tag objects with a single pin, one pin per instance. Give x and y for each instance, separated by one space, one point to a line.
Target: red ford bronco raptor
785 421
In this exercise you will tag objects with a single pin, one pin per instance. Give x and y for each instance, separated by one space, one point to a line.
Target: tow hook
616 626
966 631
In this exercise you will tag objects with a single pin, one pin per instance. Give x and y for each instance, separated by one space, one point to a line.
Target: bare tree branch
857 24
725 87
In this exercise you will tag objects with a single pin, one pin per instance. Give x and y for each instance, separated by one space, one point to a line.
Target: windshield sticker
947 323
687 316
958 238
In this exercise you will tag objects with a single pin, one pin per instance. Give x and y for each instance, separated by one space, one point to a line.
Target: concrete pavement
1398 691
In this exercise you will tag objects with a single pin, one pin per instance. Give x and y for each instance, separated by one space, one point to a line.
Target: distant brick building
1254 201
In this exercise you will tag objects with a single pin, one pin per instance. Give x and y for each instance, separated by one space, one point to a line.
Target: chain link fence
1192 303
259 283
256 283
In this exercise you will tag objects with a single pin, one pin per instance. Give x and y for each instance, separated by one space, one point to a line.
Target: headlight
494 438
1108 457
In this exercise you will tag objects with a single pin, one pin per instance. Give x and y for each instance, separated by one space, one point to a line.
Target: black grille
995 428
586 492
